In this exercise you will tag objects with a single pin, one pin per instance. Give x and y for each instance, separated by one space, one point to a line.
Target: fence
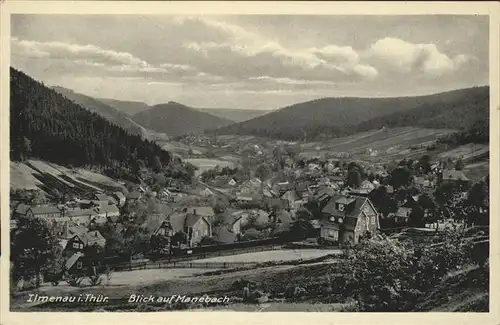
186 261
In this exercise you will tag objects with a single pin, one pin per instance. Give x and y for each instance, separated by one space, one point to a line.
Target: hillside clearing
37 174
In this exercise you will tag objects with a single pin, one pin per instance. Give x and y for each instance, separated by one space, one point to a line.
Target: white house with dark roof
346 218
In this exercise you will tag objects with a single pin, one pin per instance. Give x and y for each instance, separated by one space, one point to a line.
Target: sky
251 61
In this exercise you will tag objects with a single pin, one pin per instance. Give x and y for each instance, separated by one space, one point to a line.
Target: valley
125 197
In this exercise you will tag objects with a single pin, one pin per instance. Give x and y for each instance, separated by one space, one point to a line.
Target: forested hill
129 108
176 119
46 125
106 111
333 117
469 112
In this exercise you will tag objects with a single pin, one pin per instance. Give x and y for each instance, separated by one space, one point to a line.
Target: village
326 202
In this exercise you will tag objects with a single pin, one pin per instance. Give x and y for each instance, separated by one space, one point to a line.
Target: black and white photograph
248 163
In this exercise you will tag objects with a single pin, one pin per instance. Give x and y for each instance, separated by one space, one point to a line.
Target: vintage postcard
298 162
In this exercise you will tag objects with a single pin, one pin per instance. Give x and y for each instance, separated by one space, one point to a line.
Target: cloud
92 60
400 56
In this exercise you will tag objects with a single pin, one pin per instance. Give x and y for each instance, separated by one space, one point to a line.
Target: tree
34 249
416 216
25 148
263 171
354 178
459 165
301 228
400 177
425 164
429 205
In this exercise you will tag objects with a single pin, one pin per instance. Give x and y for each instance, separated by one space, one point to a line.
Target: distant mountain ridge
176 119
106 111
129 108
334 117
235 115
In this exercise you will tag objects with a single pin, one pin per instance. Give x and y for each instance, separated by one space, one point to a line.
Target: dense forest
335 117
108 112
175 119
46 125
469 115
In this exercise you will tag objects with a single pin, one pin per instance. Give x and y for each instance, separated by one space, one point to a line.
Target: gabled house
76 238
196 227
324 195
225 236
346 218
50 211
290 197
206 192
402 216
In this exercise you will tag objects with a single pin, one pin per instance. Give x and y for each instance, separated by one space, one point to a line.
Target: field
205 164
390 143
477 171
466 152
273 256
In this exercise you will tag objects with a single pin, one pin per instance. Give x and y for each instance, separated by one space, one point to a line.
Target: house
107 212
196 227
244 199
225 236
402 216
454 176
346 218
206 192
102 197
134 196
242 217
266 192
74 263
162 234
81 217
303 191
165 193
50 211
207 212
324 195
275 203
423 183
120 198
77 238
290 197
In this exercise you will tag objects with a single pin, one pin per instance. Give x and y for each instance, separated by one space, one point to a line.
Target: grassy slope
37 174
